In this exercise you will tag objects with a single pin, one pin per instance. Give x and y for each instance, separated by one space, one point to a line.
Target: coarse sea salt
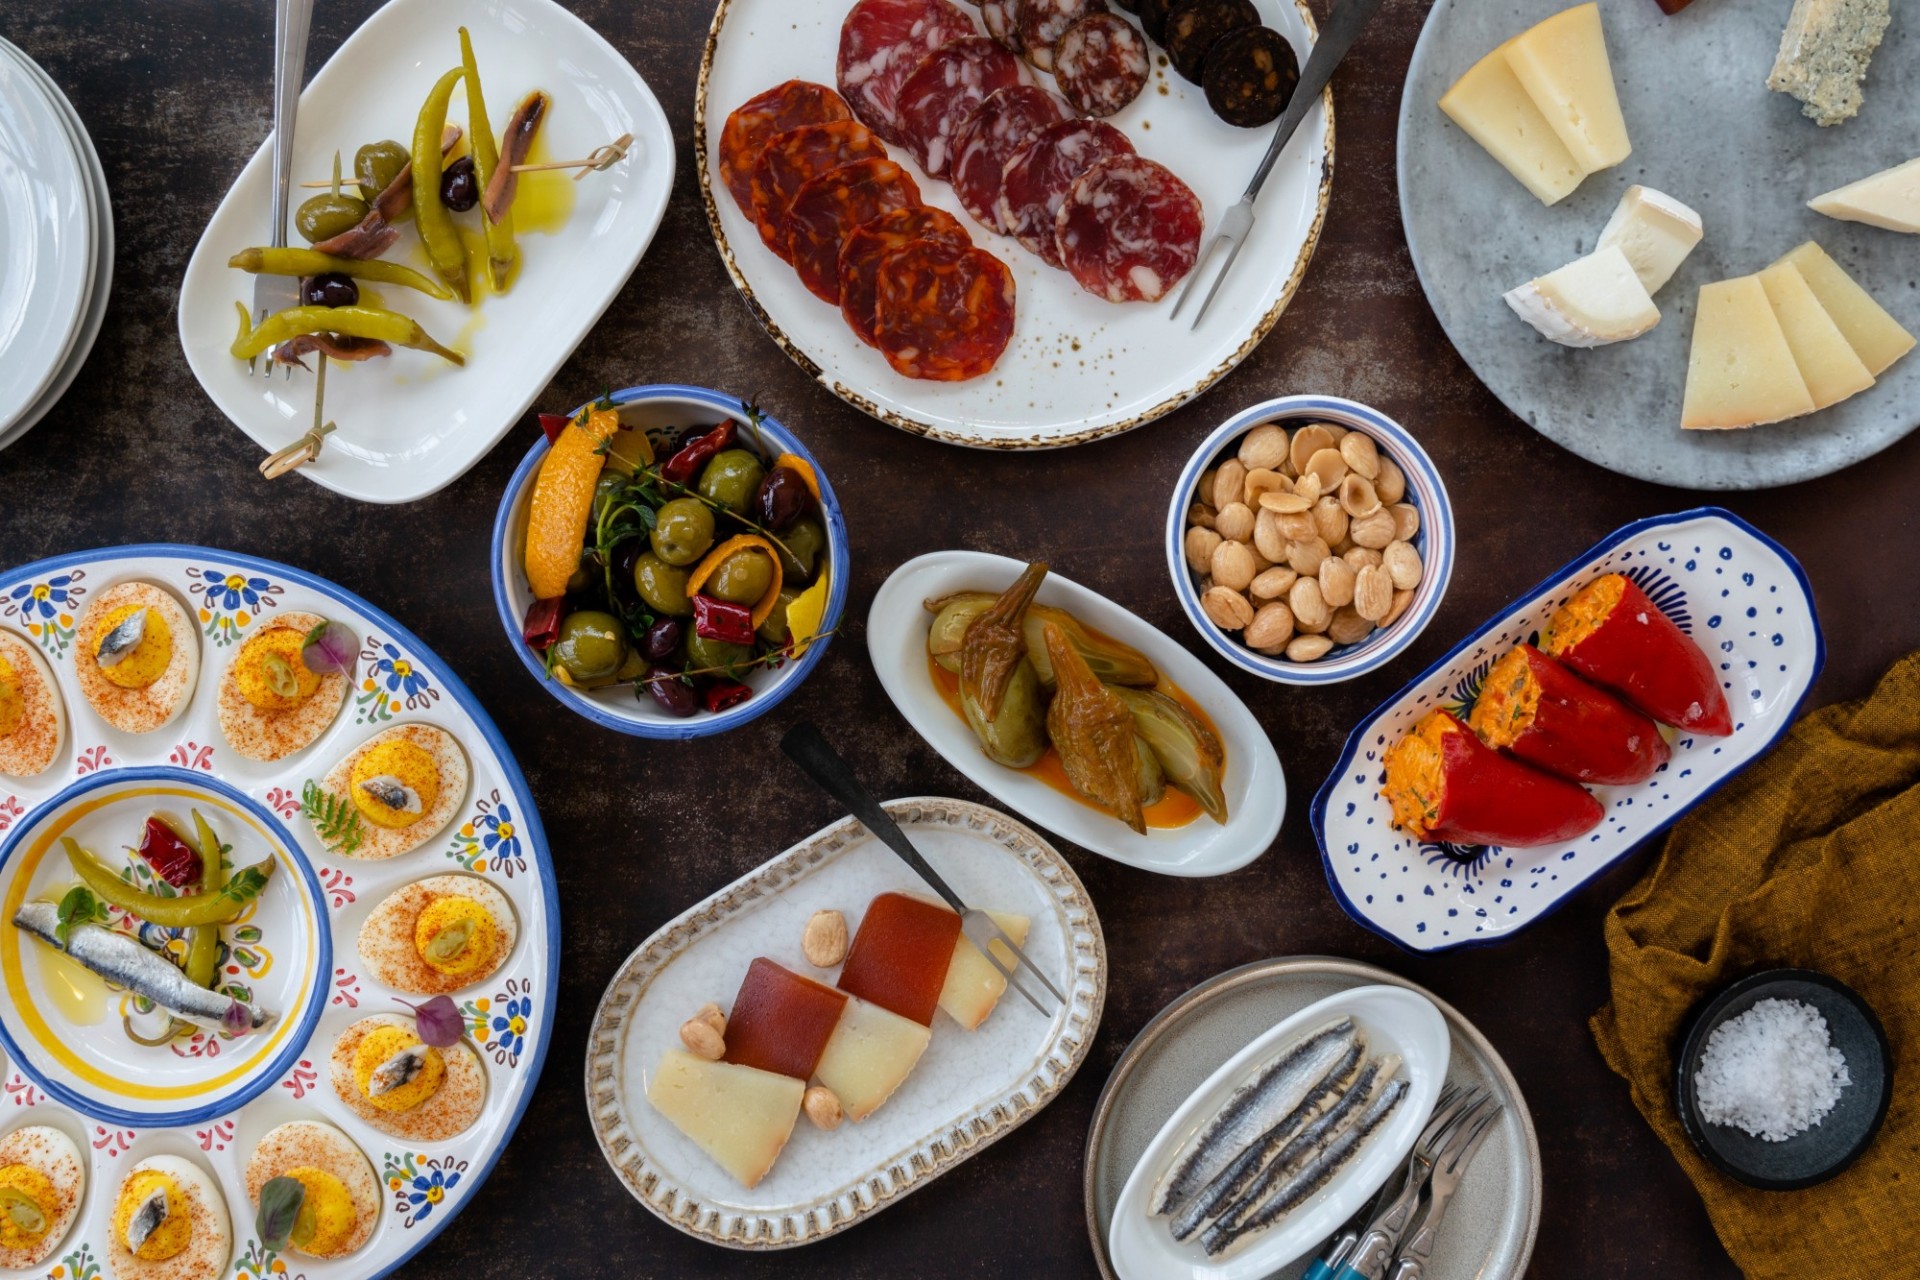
1772 1071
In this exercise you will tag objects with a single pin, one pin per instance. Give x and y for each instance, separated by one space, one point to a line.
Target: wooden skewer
307 447
600 161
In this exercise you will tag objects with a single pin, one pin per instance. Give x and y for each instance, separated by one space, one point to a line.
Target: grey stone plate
1489 1232
1706 130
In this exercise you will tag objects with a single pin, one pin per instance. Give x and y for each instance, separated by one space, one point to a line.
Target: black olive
662 640
460 185
331 289
783 498
675 696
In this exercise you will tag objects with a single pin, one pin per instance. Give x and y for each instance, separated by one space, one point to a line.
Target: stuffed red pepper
1446 785
1613 635
1548 716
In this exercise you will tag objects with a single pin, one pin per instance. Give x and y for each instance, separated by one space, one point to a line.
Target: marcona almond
1401 599
1263 480
1403 565
1360 557
1374 531
1310 611
822 1106
1234 522
1264 446
1229 483
1200 545
1406 521
1391 483
1233 565
1348 627
1309 648
825 941
1357 496
1305 556
1271 627
1362 455
702 1040
1268 539
1308 441
1200 516
1308 486
1298 525
1329 466
1329 520
1336 581
1274 583
1228 609
1285 503
1373 592
711 1015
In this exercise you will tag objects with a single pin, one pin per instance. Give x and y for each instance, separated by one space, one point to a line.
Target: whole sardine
123 961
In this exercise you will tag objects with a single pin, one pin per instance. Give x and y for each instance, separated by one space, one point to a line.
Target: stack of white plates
56 243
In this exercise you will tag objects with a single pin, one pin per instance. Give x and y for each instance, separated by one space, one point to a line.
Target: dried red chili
171 858
683 466
542 626
722 694
722 620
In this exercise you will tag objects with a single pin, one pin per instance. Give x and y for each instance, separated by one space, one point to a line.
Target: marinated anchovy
146 1220
515 142
394 794
397 1071
122 640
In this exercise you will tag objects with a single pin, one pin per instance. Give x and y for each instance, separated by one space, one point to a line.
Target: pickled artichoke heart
1188 751
1111 661
1092 729
1152 778
1000 694
1017 736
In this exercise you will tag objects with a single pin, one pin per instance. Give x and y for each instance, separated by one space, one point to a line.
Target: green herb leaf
245 885
336 821
78 907
281 1201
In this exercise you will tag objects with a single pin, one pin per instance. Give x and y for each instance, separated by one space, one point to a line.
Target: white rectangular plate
970 1088
410 424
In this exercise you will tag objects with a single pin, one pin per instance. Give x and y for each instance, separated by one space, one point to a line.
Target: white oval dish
1256 788
1078 368
970 1088
1394 1020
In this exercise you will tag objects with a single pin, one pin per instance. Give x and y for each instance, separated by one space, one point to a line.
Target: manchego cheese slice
870 1054
1491 104
1741 372
741 1116
1876 337
1563 64
1827 364
974 986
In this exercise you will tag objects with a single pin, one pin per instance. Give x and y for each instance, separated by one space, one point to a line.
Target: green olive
591 648
742 577
714 655
731 479
327 215
609 484
682 531
376 165
663 587
634 667
801 553
774 632
584 575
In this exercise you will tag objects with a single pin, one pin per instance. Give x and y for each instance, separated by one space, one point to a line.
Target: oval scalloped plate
318 986
1742 598
969 1090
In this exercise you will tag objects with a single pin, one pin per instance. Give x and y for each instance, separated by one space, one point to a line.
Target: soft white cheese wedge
1888 199
1655 231
1590 302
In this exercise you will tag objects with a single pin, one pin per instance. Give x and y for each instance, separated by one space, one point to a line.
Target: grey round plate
1490 1230
1705 130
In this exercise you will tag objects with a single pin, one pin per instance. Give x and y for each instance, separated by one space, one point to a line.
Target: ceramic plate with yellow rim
377 842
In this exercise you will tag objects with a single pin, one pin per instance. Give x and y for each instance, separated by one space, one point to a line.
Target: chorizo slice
755 122
942 312
1129 230
827 209
860 256
881 42
1250 76
1102 64
1035 180
944 90
1195 26
794 158
983 145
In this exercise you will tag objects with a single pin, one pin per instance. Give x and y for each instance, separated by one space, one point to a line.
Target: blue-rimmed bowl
617 707
1435 540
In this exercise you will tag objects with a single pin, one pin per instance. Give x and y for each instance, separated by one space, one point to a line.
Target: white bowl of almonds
1310 539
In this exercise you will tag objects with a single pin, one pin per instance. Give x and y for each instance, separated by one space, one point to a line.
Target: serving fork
1344 25
1375 1249
1448 1168
1341 1246
292 20
809 749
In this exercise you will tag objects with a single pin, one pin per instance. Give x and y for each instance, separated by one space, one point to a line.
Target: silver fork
292 20
1343 28
1343 1244
1447 1172
1383 1236
809 749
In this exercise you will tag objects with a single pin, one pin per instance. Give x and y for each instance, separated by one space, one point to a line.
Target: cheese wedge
741 1116
1824 53
1490 103
1875 336
869 1055
1563 65
1826 362
1741 372
1655 231
1590 302
974 986
1889 199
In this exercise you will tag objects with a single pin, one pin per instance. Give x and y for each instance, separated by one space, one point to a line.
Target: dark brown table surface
175 95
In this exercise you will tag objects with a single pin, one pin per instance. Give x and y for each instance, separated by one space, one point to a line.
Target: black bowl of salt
1783 1079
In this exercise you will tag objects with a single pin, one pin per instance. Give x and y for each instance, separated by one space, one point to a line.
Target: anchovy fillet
1277 1090
123 961
397 1071
122 640
393 793
1282 1187
1332 1098
146 1220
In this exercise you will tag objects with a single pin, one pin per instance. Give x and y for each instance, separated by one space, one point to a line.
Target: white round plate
101 205
1256 789
46 241
1394 1020
1707 131
318 984
1078 367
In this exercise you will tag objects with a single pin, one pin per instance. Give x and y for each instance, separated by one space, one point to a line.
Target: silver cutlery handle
292 20
1344 25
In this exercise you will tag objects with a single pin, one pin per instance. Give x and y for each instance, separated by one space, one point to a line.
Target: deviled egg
33 719
341 1205
405 783
41 1183
138 657
403 1086
169 1223
271 703
437 935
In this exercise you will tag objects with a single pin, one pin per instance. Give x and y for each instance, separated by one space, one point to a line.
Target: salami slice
792 159
1129 230
943 312
983 145
1250 76
1195 26
1034 183
943 91
1003 22
754 123
1043 22
860 256
1101 63
881 42
826 210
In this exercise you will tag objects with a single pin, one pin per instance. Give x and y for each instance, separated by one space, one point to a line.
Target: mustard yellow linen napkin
1810 858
